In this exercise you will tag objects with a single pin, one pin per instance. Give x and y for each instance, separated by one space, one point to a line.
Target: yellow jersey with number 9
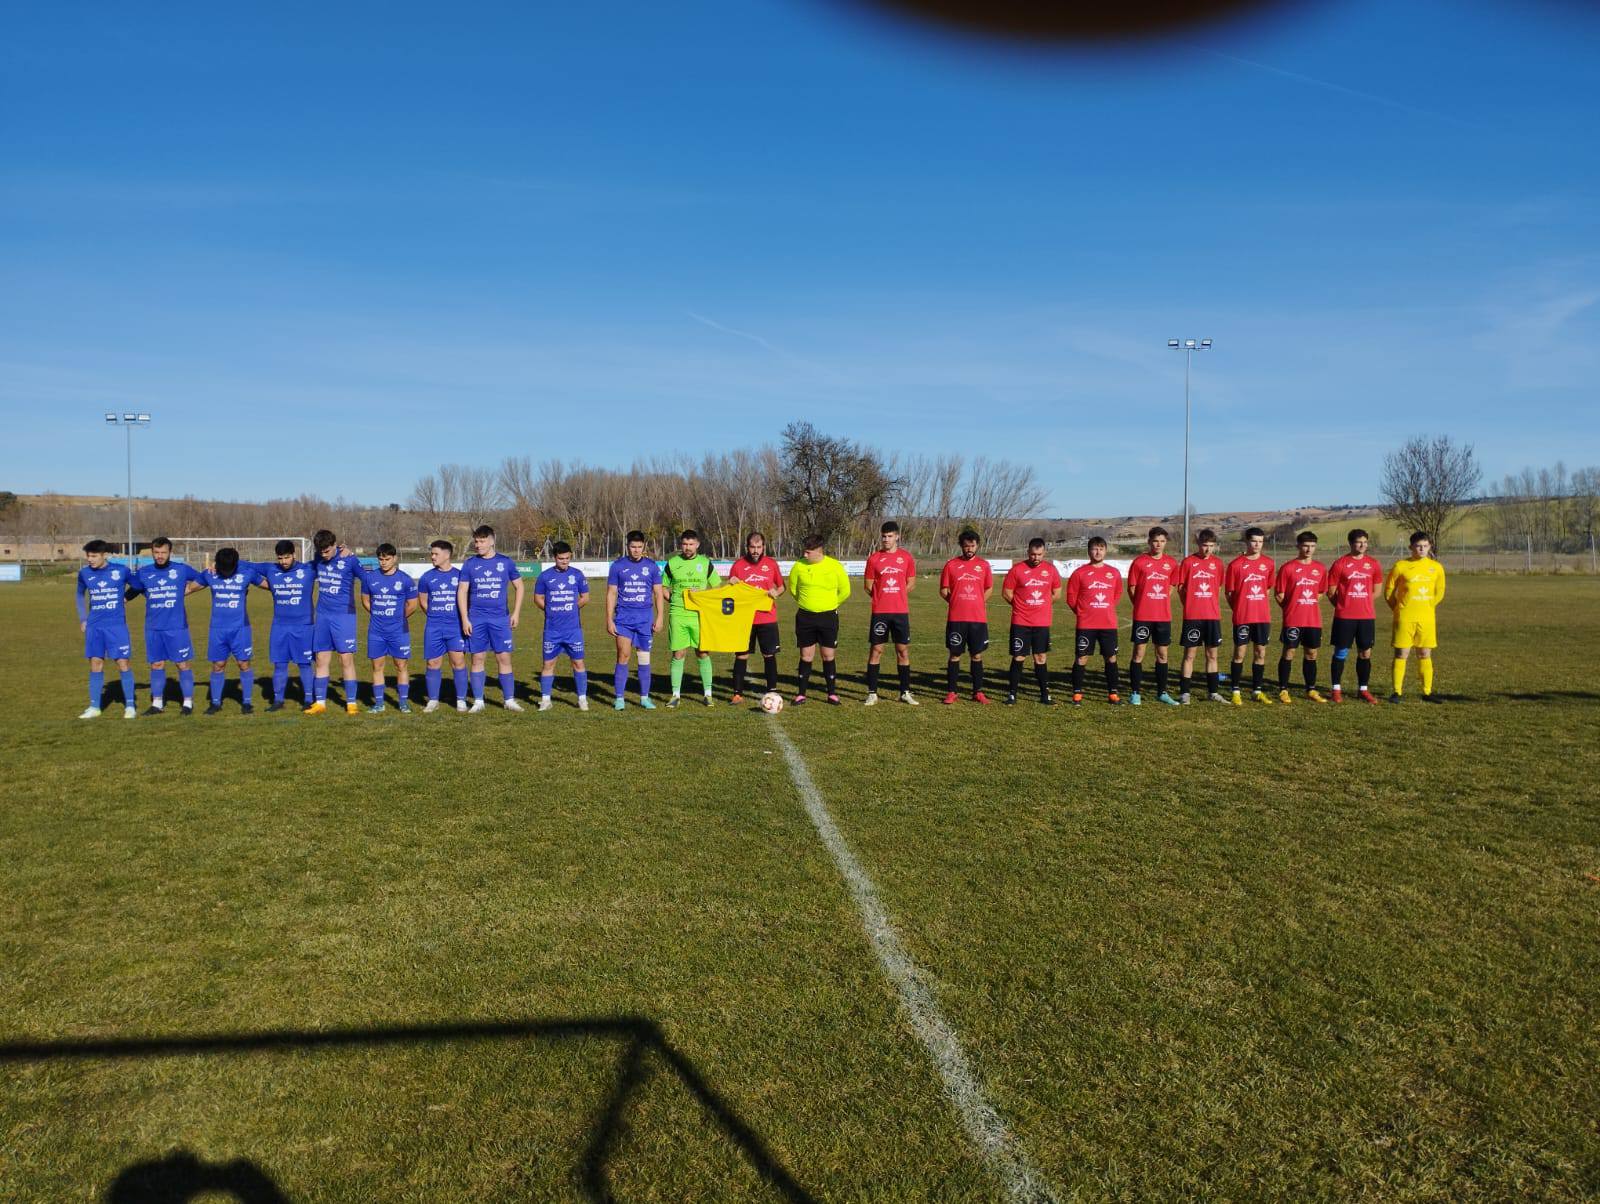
726 615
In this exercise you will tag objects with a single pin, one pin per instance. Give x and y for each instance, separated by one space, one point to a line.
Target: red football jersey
966 580
1032 587
1355 581
1249 587
1302 584
1200 585
763 574
887 573
1092 592
1151 579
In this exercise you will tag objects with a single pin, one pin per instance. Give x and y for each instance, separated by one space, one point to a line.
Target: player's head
1206 541
95 553
1254 538
755 546
812 546
689 542
1157 540
284 551
1306 541
439 553
968 540
1421 544
1035 551
1358 542
636 545
325 542
483 540
1097 550
889 536
161 551
562 551
227 561
388 557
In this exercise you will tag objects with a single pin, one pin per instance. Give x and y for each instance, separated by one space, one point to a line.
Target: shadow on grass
181 1177
1550 695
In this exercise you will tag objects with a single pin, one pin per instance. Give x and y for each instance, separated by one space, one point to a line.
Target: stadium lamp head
144 417
111 418
1188 342
1205 342
129 417
1173 343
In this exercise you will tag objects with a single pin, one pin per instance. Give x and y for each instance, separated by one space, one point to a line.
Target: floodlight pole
1188 347
127 422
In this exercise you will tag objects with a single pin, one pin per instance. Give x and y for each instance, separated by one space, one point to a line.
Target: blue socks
435 676
403 688
352 691
280 682
128 696
97 686
580 678
619 680
460 678
308 684
216 688
185 682
547 682
508 686
158 686
644 681
321 689
247 686
478 678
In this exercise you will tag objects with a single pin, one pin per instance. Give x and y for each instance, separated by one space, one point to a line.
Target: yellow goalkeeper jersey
1414 587
726 615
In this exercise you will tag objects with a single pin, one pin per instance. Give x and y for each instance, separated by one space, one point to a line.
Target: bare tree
997 492
828 483
1426 481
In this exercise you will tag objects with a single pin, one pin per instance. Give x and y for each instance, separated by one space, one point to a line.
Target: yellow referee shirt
819 586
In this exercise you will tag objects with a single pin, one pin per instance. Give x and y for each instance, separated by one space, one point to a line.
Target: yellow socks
1399 676
1427 674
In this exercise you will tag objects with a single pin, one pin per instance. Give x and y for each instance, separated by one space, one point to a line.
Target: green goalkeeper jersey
681 574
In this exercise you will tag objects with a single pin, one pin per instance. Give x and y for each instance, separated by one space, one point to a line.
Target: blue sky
330 246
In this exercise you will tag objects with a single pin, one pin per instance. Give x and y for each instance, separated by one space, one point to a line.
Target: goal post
201 550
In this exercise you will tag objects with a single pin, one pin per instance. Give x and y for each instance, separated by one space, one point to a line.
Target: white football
772 702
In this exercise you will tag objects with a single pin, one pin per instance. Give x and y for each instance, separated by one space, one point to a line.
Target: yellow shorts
1415 630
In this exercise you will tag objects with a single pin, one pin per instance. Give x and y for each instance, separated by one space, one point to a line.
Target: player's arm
1134 577
869 582
1280 585
83 605
777 589
944 585
1074 588
462 588
844 584
1439 596
413 602
611 608
658 598
583 593
539 598
1391 583
516 600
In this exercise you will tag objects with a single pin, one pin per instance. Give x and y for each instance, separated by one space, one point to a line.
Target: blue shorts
290 645
108 642
173 645
491 635
224 642
334 633
395 642
636 628
436 641
558 642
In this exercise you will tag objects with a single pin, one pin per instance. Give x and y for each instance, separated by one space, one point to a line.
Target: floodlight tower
127 421
1188 347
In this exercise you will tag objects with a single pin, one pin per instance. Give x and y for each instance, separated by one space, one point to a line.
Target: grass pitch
1279 952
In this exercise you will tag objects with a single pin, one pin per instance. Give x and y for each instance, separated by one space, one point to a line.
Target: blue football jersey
439 587
388 593
336 583
229 596
103 590
636 581
561 589
488 581
291 591
163 589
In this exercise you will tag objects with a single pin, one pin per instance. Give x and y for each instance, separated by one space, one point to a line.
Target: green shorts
683 629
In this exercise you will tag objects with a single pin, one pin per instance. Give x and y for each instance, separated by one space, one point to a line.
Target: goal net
201 551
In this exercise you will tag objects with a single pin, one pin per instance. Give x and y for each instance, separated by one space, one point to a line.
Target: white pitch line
985 1128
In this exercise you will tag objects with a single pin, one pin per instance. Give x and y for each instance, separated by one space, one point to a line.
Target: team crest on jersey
172 574
115 576
501 569
299 574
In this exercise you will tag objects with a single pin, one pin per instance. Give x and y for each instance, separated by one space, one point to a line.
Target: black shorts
1252 633
1103 638
764 636
1159 634
816 627
971 638
889 629
1027 641
1363 633
1202 631
1301 637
